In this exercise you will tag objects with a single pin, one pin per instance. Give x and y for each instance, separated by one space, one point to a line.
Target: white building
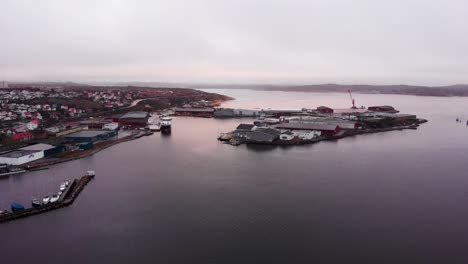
19 157
288 135
33 125
307 134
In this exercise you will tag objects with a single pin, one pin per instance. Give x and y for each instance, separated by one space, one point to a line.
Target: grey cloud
400 41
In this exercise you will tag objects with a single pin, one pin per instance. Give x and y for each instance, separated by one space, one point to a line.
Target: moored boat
15 207
35 202
166 124
91 173
46 200
54 198
4 212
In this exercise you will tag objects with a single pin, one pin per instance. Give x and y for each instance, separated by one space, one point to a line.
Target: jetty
67 198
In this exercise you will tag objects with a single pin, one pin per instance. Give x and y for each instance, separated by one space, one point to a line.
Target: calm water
396 197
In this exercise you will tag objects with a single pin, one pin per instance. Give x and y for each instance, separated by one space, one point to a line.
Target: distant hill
452 90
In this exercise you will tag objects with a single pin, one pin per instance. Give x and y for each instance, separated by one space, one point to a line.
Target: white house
34 124
288 135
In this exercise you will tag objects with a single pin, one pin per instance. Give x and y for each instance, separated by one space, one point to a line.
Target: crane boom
352 99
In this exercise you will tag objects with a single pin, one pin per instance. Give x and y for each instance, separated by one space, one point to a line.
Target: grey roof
382 106
18 153
38 147
204 110
269 131
139 114
88 133
324 107
245 126
307 126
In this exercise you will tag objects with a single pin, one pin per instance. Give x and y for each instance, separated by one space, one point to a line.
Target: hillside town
64 123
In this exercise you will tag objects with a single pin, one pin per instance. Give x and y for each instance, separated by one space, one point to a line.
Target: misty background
261 41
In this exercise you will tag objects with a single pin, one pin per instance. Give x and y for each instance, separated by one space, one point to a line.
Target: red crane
352 99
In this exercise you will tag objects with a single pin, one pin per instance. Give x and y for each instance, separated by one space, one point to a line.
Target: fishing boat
46 200
166 124
4 212
54 198
35 202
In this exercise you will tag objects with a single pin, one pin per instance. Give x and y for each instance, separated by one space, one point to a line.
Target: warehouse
329 130
48 150
263 135
134 119
382 108
19 157
91 135
198 112
325 109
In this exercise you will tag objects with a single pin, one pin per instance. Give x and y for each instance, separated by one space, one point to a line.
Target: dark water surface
396 197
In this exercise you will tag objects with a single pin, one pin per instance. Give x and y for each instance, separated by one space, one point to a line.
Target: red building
324 109
22 136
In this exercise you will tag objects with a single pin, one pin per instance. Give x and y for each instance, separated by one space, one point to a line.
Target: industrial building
91 135
325 129
47 149
382 108
198 112
263 135
228 112
343 124
134 119
325 109
19 157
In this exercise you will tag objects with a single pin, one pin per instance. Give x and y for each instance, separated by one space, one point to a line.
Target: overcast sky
238 41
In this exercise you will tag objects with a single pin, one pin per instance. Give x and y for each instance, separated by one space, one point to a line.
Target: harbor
67 196
190 184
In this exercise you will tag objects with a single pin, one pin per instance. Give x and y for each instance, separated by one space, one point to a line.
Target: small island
307 126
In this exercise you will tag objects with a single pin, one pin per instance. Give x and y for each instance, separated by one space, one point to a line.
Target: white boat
62 187
60 193
45 200
35 202
91 173
166 123
54 198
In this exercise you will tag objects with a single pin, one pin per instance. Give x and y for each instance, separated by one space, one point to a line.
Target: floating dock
67 198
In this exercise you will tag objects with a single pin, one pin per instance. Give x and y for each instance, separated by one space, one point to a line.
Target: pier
67 198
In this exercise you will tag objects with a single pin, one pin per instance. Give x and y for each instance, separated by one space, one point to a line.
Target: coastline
85 153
